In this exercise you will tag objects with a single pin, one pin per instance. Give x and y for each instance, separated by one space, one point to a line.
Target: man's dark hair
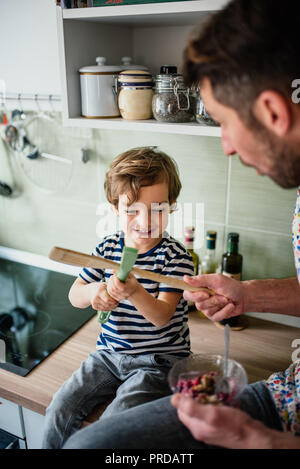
248 47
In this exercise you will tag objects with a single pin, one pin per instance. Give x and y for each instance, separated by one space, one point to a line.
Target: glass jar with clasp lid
202 117
172 101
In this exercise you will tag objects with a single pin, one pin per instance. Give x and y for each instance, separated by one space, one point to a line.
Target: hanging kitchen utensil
32 151
22 113
40 160
5 189
3 112
14 132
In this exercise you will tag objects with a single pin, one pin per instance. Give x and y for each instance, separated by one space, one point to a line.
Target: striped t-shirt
127 331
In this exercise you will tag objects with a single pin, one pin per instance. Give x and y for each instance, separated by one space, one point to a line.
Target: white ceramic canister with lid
127 65
135 94
98 95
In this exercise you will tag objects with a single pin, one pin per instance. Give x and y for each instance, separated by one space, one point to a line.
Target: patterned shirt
296 234
285 385
127 330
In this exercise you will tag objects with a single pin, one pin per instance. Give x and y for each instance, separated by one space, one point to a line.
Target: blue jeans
156 425
134 379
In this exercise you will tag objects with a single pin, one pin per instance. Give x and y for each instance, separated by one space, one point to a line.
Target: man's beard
286 163
285 160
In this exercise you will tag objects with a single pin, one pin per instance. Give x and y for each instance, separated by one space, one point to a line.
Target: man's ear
273 111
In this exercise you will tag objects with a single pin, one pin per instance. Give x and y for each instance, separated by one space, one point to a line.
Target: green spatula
128 259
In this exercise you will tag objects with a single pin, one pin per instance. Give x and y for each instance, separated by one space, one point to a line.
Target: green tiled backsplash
56 203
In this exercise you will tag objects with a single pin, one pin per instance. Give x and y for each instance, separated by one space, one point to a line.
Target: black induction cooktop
36 316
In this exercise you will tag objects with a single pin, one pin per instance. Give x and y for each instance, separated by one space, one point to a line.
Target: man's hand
122 290
223 426
228 301
99 298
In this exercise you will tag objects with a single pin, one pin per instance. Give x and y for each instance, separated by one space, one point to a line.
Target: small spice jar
202 117
172 101
135 88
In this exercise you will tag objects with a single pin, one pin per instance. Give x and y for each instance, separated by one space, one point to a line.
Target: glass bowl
185 373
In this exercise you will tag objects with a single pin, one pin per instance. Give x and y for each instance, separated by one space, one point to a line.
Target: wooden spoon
67 256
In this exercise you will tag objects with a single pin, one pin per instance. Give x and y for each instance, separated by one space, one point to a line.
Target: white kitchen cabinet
152 34
22 423
11 418
34 428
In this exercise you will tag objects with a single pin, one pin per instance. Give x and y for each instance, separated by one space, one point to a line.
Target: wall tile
265 255
201 163
37 224
257 202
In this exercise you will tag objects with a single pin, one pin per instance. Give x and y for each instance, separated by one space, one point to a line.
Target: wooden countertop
263 347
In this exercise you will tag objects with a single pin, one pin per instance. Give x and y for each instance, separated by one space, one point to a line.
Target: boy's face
144 221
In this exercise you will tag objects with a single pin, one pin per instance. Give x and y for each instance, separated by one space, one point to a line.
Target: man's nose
228 148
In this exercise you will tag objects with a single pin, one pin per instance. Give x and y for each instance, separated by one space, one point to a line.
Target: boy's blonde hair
140 167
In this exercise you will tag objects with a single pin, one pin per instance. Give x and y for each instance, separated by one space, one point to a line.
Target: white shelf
181 12
152 34
191 128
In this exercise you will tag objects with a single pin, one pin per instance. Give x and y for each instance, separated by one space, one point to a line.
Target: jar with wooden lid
135 92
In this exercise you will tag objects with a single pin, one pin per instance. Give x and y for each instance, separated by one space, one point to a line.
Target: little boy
147 329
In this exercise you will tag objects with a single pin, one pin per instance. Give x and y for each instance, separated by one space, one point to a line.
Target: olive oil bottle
209 263
232 263
189 243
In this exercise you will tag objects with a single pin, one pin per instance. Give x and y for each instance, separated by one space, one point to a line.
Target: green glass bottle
232 263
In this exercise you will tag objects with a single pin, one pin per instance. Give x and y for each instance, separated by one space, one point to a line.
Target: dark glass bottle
168 69
232 263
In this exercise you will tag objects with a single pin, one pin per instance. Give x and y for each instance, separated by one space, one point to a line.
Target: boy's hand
122 290
100 299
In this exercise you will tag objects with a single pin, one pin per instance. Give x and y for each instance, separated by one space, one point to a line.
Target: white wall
28 52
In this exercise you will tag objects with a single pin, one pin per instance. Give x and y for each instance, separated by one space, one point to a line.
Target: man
245 59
